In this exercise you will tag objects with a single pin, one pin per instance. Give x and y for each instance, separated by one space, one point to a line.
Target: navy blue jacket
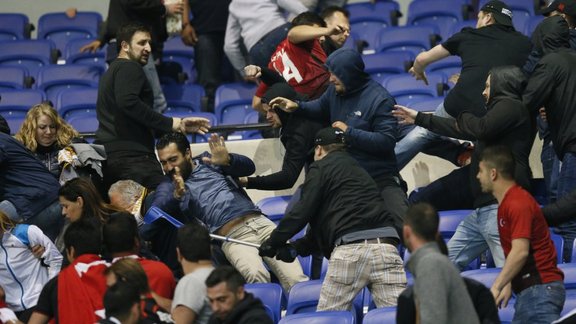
211 196
365 107
24 180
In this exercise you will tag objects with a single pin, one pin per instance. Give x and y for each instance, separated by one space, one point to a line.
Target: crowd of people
78 245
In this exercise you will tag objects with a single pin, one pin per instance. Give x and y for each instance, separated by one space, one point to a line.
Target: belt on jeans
226 228
379 240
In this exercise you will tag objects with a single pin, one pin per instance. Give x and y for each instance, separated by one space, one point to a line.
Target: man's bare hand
285 104
218 151
405 115
91 47
195 125
38 250
340 125
542 113
252 72
174 8
188 35
419 75
179 186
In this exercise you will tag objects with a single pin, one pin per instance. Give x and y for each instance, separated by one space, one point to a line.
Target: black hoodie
249 310
553 82
507 122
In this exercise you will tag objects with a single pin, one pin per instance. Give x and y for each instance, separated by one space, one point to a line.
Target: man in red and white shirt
300 59
530 269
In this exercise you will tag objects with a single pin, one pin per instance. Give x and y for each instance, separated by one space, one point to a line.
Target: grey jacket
440 292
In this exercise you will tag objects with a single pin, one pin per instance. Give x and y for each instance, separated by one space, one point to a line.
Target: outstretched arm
423 59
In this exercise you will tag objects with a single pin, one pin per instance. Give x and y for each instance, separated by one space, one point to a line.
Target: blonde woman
45 133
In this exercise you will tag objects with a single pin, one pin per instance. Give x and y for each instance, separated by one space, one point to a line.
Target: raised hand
252 72
285 104
405 115
179 186
218 151
419 75
195 125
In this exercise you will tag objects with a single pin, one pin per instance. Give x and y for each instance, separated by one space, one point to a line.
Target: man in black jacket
550 86
230 303
127 122
350 225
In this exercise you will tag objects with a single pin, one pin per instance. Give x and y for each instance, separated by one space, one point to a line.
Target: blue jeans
417 140
50 220
261 52
476 233
539 303
550 162
154 81
566 184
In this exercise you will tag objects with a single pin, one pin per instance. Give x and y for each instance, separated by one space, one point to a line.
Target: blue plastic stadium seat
387 62
531 24
304 298
271 296
56 78
414 39
175 51
21 99
13 78
456 28
404 88
440 13
84 122
72 53
320 318
184 97
384 315
448 66
377 11
485 276
274 207
449 221
234 92
368 32
31 54
73 101
59 28
251 118
14 26
14 119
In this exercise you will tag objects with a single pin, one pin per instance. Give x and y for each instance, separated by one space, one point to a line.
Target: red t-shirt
160 278
302 66
519 216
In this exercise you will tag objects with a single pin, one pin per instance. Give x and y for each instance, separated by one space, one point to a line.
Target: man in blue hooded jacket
362 109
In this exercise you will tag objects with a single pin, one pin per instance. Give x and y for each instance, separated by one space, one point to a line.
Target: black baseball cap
567 7
500 11
329 135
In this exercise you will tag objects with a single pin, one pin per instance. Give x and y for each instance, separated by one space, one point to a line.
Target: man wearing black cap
350 225
493 42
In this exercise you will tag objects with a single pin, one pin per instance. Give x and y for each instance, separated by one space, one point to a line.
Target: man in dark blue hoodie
28 191
362 109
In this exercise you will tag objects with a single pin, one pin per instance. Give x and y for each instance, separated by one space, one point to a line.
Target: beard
185 170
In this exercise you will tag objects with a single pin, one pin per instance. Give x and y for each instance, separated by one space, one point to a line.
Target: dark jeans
140 167
566 184
540 303
550 161
450 192
261 52
393 193
49 220
209 56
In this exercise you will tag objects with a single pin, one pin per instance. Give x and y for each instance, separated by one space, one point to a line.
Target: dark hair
329 11
84 237
127 31
500 157
424 220
194 242
308 18
507 81
130 272
119 300
4 127
227 274
94 206
120 232
179 139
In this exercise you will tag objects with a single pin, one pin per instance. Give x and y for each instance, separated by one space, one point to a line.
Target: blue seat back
72 53
274 207
71 101
485 276
271 296
442 14
368 31
450 219
21 99
385 315
387 62
340 317
184 96
368 11
13 26
414 39
12 77
59 28
32 54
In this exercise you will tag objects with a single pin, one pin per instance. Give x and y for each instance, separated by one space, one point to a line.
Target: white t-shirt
191 292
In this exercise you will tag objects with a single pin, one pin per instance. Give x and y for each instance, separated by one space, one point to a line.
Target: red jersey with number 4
302 66
519 216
